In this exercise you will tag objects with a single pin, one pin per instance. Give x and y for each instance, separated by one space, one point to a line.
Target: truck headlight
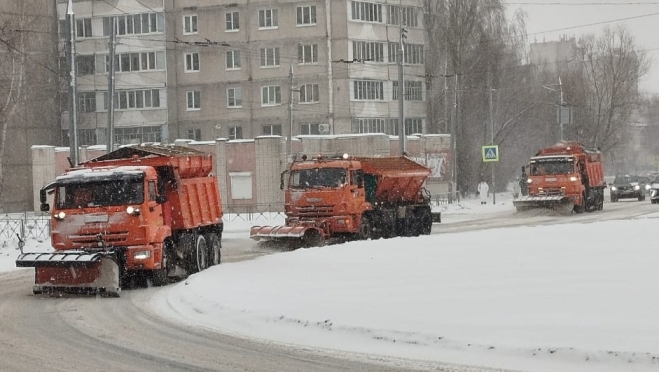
141 255
573 179
132 210
59 216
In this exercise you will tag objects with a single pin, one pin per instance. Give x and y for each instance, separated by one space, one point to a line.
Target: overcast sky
547 20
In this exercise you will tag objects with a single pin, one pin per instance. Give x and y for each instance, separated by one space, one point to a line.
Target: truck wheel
214 244
201 254
365 228
160 277
425 218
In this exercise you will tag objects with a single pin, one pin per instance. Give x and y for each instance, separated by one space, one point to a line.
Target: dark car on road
626 186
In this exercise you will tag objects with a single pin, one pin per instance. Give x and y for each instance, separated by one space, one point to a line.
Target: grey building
231 64
203 69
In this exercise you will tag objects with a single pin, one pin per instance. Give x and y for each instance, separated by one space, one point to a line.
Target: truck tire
200 252
425 218
160 277
365 228
214 253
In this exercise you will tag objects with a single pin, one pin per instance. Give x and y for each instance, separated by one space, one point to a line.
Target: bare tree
603 85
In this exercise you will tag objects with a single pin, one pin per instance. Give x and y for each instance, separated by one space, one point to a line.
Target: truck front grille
316 211
111 238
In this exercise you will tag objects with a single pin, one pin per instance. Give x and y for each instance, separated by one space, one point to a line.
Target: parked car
627 186
654 191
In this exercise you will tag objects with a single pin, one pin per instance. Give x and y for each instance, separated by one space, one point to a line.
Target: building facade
205 69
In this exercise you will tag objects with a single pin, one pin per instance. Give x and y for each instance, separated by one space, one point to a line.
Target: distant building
203 70
549 54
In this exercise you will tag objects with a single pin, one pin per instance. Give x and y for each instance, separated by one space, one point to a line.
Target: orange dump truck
143 211
352 197
567 176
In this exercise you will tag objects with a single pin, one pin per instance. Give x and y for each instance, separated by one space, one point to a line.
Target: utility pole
494 197
110 133
560 108
399 59
454 158
290 113
73 104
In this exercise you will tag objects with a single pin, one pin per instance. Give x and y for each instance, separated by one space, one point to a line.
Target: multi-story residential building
140 96
231 62
214 68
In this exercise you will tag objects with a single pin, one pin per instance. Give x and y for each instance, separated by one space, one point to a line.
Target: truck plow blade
277 232
73 272
557 202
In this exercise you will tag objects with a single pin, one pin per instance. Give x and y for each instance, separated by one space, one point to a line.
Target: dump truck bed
189 163
399 179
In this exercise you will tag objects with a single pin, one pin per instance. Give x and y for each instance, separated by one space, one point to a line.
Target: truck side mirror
281 179
44 207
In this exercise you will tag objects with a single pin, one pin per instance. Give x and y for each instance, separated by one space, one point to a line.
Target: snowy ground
546 298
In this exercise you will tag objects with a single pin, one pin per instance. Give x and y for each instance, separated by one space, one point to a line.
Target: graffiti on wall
437 162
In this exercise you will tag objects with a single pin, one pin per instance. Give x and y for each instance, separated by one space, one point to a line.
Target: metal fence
22 226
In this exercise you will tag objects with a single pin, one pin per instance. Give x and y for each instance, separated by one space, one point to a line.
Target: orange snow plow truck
567 176
140 211
347 197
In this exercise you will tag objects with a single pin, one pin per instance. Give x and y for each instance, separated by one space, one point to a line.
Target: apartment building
204 69
140 79
246 68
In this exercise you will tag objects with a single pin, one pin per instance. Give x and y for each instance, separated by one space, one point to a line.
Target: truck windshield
100 193
551 167
318 177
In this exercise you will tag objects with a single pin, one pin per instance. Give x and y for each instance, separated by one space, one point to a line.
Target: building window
190 24
270 95
408 14
413 125
307 53
370 125
235 97
194 134
125 136
143 23
191 62
268 18
413 53
85 64
309 93
367 12
87 102
368 90
272 130
368 51
233 21
306 15
309 129
269 57
134 99
413 91
233 59
194 100
127 62
241 185
235 133
84 27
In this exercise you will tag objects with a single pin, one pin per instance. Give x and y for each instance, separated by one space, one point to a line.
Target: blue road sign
490 153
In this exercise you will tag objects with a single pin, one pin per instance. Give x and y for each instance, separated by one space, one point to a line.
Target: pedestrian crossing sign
490 153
